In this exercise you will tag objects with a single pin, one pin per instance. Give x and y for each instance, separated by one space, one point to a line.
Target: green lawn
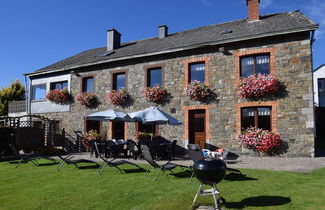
31 187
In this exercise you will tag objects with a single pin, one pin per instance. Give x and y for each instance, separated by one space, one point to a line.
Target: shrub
58 96
118 97
87 99
155 94
197 90
259 140
258 85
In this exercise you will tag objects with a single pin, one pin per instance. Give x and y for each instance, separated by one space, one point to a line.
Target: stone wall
294 111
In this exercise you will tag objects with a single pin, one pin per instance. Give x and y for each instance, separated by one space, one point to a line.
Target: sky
37 33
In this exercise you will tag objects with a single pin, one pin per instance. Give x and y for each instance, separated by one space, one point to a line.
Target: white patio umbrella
153 115
110 115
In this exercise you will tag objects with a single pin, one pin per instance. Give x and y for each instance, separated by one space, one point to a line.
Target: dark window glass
254 65
146 128
119 81
92 125
39 92
154 77
59 85
88 84
259 117
197 72
118 130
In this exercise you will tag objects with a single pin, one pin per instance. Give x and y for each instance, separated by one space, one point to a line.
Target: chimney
113 39
253 9
162 31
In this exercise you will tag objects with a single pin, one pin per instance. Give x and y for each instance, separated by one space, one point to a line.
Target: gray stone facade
294 111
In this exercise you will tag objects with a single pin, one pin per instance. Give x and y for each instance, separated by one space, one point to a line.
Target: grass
31 187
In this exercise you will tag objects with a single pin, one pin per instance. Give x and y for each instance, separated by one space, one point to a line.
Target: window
197 72
147 128
321 92
254 65
119 81
259 117
154 77
88 84
38 92
59 85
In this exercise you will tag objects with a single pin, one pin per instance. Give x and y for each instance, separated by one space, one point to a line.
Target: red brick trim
186 110
187 63
270 51
274 117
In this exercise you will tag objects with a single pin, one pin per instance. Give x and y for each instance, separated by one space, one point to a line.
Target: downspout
312 40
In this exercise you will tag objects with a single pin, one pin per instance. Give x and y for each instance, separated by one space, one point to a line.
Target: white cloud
266 3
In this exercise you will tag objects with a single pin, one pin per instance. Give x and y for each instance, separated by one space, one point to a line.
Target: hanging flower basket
197 90
259 140
118 97
258 85
155 94
58 96
87 99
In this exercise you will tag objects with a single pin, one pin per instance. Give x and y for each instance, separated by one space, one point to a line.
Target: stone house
218 55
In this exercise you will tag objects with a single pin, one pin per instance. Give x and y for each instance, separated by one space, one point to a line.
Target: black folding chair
31 157
195 153
112 163
165 167
69 161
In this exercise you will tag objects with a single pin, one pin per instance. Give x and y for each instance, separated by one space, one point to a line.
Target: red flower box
118 97
58 96
259 140
258 85
155 94
87 99
197 90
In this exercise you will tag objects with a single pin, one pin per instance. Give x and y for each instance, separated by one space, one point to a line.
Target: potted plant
259 140
118 97
197 90
155 94
87 99
257 86
89 136
58 96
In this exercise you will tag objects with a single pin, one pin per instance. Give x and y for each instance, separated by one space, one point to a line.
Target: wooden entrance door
118 130
197 127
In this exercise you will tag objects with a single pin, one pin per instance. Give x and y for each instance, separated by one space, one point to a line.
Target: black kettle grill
210 172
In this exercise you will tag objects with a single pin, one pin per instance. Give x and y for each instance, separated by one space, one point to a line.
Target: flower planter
155 94
87 99
118 97
197 90
257 86
58 96
258 140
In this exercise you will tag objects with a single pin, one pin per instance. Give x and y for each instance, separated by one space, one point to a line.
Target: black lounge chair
195 153
165 167
68 160
31 157
112 163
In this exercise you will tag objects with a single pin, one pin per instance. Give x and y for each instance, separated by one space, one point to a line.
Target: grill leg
196 195
214 192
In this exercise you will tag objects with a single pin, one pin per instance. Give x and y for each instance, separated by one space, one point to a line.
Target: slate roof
268 25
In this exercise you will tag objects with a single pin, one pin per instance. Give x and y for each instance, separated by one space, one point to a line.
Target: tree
15 92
